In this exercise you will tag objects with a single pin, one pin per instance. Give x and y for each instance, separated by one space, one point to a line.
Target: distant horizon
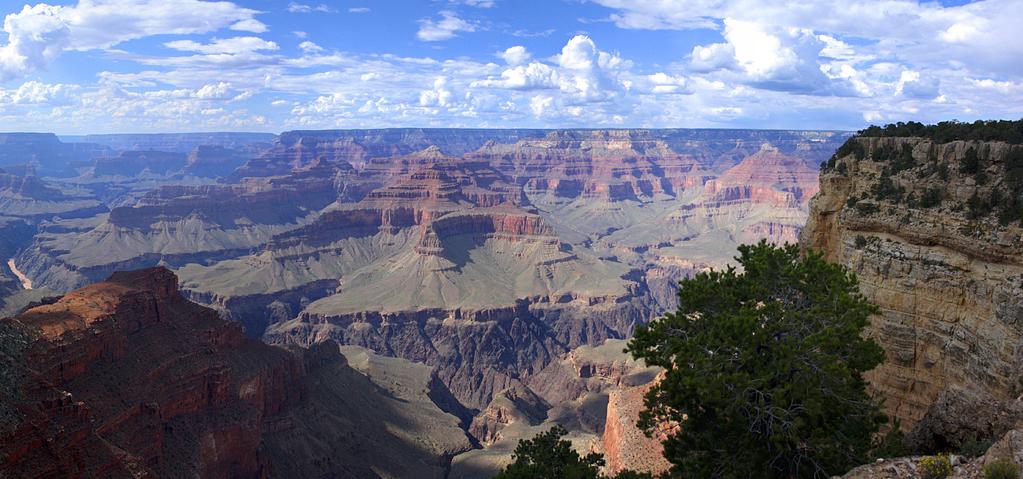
610 128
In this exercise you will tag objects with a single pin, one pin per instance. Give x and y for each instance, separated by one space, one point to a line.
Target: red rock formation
767 177
126 378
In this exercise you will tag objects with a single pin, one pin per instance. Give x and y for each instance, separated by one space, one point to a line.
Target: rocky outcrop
1008 447
517 404
625 445
126 378
908 216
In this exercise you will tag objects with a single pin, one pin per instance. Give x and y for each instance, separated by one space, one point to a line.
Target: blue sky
94 66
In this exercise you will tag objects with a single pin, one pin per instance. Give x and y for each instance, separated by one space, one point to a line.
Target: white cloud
445 28
213 92
438 96
226 45
664 83
295 7
912 85
34 92
716 56
540 104
359 10
480 3
38 34
523 77
249 25
515 56
310 47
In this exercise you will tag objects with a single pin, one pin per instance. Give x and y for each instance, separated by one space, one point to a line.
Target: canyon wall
930 230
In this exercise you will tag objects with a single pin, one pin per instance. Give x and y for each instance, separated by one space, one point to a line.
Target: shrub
974 448
886 189
860 241
971 162
979 207
867 208
930 198
943 171
852 146
903 160
1001 469
935 467
1010 131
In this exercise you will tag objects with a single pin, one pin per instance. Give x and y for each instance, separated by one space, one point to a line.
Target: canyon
507 265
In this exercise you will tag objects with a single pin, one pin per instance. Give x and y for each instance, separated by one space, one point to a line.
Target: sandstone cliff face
125 378
909 219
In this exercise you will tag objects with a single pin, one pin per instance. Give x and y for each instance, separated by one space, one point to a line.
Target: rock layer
947 277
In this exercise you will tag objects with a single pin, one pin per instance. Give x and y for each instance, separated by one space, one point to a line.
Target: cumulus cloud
445 28
310 47
438 96
708 58
540 104
665 83
515 56
581 72
214 92
523 77
34 92
38 34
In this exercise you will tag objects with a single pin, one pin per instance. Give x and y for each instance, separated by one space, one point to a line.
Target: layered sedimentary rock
44 152
125 378
918 222
215 161
597 165
132 163
28 196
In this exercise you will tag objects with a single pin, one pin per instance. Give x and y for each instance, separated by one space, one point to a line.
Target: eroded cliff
931 231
